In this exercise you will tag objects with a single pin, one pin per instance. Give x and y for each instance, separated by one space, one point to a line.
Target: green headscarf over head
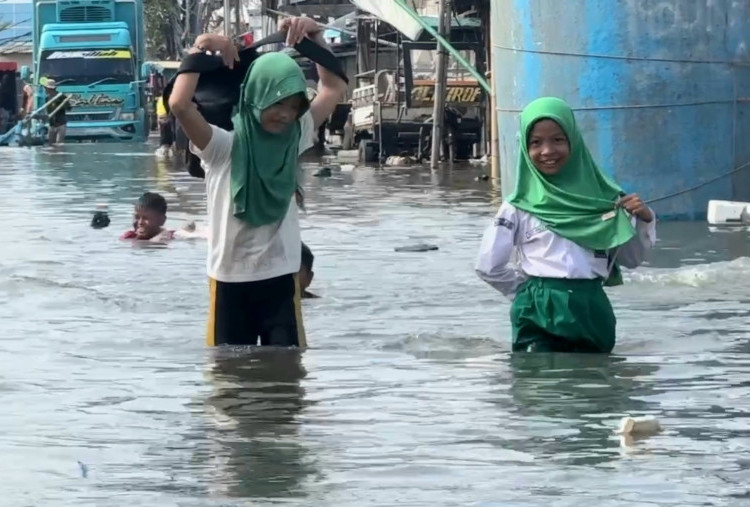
264 165
578 203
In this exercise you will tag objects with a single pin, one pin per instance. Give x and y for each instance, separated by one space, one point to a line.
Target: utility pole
186 35
238 18
363 46
227 19
438 111
494 139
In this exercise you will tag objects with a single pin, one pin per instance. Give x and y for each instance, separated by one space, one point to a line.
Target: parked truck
93 50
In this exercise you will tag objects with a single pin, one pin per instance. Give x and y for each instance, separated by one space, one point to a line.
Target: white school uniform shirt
543 253
238 252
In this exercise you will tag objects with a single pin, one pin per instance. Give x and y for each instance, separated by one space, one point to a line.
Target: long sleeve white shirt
543 253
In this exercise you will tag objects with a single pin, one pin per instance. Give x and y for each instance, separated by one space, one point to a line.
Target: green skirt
562 315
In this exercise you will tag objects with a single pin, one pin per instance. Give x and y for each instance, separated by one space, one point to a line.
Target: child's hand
635 206
297 29
216 43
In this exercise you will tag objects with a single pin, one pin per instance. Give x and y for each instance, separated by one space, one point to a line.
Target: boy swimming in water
254 245
571 226
149 216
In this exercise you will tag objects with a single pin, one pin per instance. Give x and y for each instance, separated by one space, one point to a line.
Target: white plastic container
728 213
639 426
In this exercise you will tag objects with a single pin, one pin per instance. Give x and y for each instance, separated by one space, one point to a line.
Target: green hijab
578 202
264 165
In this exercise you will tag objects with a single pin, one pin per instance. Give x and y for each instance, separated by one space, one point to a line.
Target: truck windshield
83 67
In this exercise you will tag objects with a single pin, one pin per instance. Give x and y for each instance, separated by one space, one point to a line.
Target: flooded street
408 394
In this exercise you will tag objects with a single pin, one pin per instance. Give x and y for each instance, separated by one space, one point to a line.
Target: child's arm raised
331 88
493 263
181 104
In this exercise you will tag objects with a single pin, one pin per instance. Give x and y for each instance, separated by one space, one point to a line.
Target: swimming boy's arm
331 88
493 263
190 231
181 104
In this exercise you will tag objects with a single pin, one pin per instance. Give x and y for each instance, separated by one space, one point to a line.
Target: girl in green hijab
571 227
254 243
266 139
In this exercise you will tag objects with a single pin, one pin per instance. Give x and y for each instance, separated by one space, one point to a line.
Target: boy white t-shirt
238 252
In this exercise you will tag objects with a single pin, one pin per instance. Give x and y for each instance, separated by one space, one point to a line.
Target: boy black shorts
266 312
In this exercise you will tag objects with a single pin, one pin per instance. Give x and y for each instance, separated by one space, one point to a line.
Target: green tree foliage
163 28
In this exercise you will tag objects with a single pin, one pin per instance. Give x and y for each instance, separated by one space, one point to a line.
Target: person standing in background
166 132
56 110
27 98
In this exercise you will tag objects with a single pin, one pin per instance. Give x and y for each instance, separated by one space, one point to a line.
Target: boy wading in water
254 243
571 226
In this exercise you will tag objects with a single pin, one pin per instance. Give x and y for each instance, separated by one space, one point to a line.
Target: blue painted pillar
661 89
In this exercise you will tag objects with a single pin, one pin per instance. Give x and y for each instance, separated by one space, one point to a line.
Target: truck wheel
368 151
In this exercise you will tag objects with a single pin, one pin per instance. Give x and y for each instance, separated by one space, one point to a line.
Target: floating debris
100 219
396 160
633 429
323 172
422 247
348 156
641 426
84 470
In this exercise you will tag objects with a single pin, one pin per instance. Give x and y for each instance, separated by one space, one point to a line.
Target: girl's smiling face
548 147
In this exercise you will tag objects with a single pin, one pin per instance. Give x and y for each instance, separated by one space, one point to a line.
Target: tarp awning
391 13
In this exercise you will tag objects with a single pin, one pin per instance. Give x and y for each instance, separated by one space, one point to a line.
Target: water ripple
408 394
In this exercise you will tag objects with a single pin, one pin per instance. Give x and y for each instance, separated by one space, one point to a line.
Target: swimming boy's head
275 92
548 125
149 215
306 272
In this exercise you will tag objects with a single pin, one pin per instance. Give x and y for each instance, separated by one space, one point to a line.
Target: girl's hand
297 29
218 44
635 206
